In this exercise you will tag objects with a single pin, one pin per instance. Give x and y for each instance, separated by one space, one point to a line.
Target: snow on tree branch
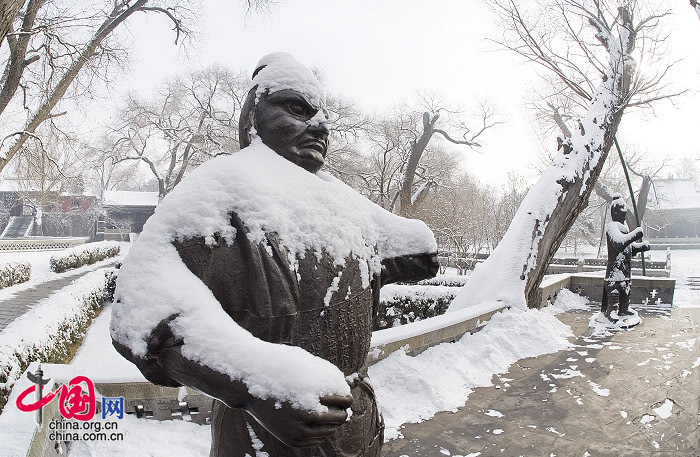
514 271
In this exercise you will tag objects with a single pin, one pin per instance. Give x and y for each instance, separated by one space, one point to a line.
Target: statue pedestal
617 322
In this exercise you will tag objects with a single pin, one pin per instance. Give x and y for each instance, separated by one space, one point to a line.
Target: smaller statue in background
622 246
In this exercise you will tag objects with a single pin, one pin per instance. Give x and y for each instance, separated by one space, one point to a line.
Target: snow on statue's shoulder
307 212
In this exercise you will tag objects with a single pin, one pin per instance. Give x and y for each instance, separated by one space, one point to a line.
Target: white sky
378 53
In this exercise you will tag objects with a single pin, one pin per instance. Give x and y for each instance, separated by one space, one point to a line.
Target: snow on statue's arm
640 247
407 248
198 344
620 238
162 305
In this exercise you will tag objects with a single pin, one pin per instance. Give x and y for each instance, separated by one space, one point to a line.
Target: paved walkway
12 308
634 393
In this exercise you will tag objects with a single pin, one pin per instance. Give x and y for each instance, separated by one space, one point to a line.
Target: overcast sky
380 52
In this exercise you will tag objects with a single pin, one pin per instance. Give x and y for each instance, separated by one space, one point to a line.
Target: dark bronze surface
619 263
264 295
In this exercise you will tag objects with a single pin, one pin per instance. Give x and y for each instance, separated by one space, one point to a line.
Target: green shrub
86 254
14 273
403 304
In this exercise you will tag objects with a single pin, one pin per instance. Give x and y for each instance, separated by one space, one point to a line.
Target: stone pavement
634 393
13 307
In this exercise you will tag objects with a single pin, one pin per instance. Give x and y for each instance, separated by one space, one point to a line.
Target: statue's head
618 209
285 108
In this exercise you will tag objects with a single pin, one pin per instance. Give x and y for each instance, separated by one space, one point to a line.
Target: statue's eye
298 108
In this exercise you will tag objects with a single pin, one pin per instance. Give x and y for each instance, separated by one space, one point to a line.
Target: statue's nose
320 128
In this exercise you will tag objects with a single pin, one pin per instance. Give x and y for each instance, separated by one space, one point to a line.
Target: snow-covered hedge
445 280
48 331
14 273
403 304
85 254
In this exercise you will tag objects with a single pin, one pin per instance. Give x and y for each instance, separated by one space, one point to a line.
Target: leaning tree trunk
514 271
8 13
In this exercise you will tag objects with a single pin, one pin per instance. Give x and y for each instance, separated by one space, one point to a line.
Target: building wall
681 223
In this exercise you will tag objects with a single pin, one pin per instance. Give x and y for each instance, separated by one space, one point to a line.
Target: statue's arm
621 240
640 247
166 365
294 427
409 268
228 272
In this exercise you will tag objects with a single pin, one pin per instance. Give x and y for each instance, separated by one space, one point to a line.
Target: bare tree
52 44
421 136
347 124
516 268
47 168
104 169
398 176
192 119
688 167
460 213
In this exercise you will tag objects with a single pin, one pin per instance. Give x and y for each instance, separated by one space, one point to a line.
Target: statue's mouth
317 145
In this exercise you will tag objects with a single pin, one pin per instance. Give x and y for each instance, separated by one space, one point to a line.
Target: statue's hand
298 428
637 233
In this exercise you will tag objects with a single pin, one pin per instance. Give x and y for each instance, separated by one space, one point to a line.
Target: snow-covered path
632 393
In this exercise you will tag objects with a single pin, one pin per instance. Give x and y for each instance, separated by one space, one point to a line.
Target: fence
40 244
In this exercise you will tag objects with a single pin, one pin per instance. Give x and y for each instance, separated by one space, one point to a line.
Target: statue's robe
295 305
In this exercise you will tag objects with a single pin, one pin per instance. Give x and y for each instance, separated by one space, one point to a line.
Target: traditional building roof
129 198
675 194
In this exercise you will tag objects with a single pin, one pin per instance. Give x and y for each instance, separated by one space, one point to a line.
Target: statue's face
290 125
618 213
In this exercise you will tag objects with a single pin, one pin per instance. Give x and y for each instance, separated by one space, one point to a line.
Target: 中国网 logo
76 400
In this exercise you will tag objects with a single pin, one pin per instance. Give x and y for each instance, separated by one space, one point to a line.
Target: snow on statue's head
285 108
618 208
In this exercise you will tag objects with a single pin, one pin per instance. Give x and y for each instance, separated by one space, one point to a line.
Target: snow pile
665 410
282 71
14 273
85 254
601 326
310 214
567 301
413 389
164 438
44 332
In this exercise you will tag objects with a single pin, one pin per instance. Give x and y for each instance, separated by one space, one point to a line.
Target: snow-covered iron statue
622 246
256 280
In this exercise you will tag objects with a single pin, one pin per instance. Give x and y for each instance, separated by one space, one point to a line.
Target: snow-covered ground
405 392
